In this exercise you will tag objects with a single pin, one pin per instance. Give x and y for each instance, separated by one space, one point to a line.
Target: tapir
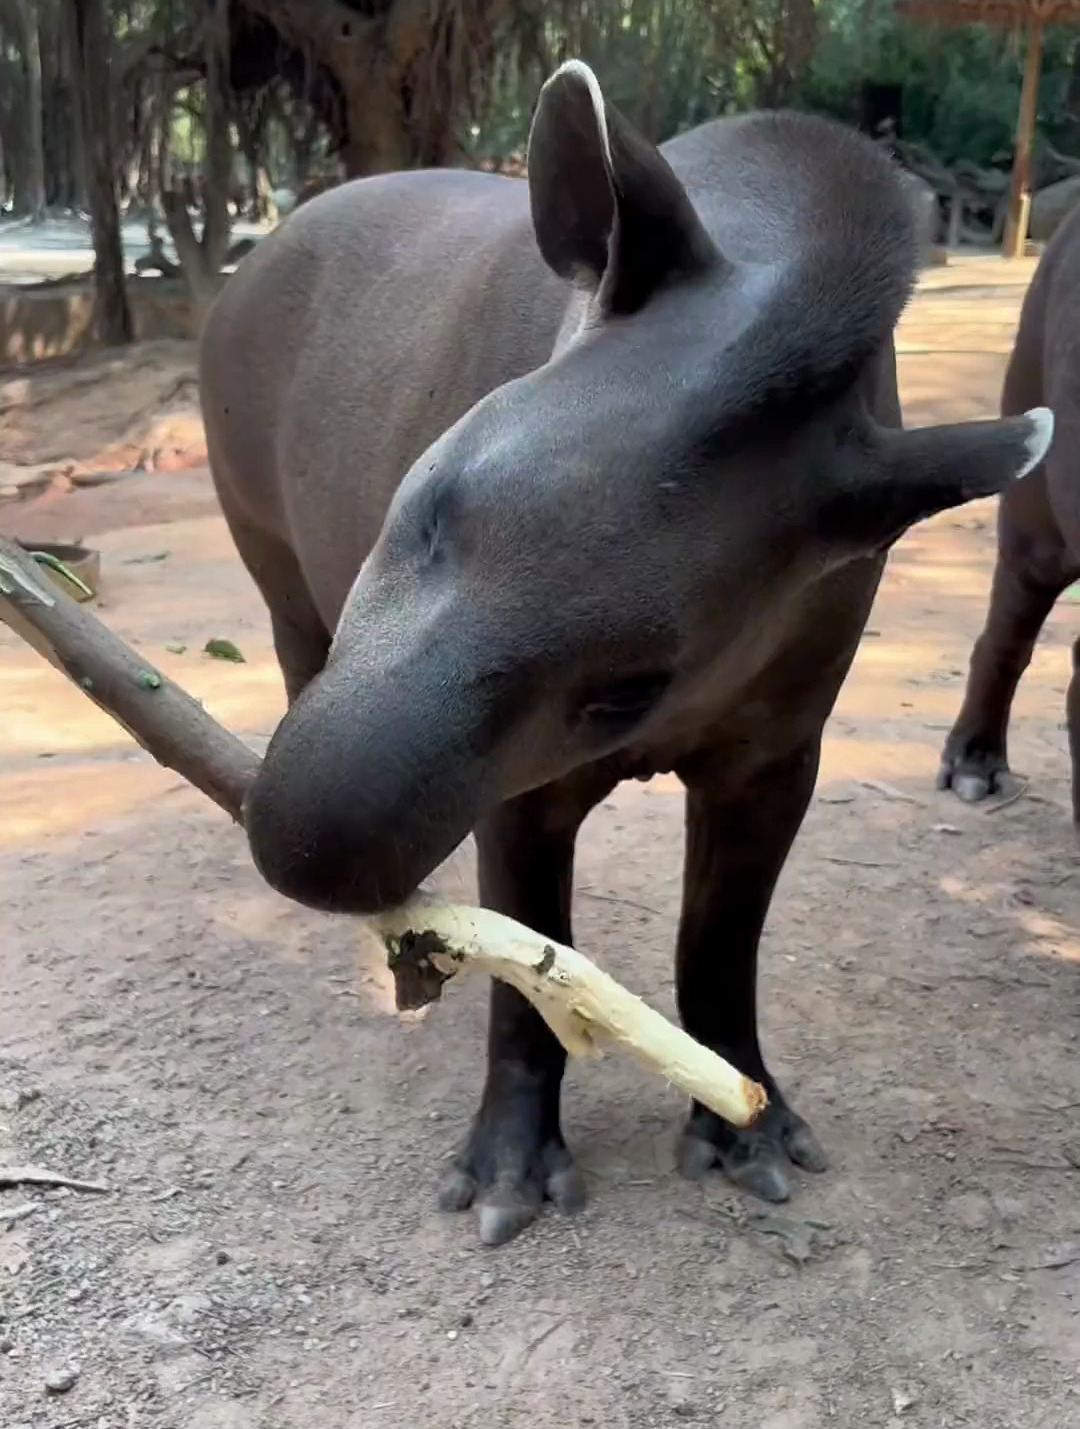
1038 532
550 483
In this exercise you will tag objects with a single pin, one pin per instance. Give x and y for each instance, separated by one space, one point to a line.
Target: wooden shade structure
1032 16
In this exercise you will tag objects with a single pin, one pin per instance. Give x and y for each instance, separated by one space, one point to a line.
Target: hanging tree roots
428 941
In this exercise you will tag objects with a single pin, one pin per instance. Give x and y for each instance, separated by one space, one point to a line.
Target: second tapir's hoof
972 771
505 1172
757 1159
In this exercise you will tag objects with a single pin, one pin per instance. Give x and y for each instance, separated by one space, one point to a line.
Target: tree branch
158 714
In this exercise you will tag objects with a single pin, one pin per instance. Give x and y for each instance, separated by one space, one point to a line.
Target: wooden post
1015 239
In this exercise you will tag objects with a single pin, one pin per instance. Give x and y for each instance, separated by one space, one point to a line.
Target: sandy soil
267 1256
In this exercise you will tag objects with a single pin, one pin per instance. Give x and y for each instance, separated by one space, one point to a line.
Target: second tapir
551 483
1038 553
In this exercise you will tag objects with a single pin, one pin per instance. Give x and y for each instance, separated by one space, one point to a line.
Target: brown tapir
550 483
1038 531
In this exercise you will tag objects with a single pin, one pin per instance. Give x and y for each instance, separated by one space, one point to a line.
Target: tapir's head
605 544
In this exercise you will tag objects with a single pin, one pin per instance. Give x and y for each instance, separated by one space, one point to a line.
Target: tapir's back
374 318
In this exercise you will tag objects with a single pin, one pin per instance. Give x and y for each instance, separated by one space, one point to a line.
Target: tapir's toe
763 1176
457 1190
755 1159
505 1172
971 788
499 1222
972 767
802 1146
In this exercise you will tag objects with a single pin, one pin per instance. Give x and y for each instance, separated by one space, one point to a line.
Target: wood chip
42 1176
888 791
11 1215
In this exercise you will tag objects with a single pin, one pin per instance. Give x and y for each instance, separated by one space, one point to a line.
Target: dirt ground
267 1256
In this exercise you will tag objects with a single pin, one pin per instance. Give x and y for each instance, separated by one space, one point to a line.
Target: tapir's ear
609 214
907 476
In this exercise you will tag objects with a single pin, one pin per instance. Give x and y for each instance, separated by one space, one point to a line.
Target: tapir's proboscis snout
556 482
350 817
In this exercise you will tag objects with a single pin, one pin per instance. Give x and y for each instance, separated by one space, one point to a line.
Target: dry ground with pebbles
266 1255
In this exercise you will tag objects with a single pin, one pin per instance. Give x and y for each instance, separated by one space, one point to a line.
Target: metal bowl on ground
61 557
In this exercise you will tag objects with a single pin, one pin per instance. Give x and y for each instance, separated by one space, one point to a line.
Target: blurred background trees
187 115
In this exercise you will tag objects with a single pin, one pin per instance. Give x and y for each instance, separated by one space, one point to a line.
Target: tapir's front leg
739 832
515 1156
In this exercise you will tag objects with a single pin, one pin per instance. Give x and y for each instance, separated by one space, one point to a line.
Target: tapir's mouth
336 859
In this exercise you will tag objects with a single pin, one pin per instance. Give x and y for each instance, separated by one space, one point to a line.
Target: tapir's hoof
506 1184
972 774
755 1160
972 788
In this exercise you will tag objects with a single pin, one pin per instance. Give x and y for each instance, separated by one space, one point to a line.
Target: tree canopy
197 109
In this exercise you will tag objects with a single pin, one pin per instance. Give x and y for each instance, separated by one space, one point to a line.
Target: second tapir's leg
515 1155
1072 715
1033 568
738 836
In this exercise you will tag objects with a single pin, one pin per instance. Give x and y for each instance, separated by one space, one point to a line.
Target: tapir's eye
624 701
431 534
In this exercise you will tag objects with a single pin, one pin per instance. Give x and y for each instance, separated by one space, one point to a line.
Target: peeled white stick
428 941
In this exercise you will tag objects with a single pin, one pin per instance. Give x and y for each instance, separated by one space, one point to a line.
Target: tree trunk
378 135
33 201
77 155
201 260
218 170
91 57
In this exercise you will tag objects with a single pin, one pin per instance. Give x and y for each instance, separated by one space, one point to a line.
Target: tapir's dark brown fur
551 483
1038 531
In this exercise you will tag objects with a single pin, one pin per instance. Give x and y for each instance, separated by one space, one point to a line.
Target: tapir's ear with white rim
608 211
897 478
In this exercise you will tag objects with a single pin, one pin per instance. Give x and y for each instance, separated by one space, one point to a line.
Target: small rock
684 1409
12 1101
60 1381
487 1280
223 1257
465 1320
1008 1208
6 1346
451 1334
155 1330
186 1308
970 1211
903 1399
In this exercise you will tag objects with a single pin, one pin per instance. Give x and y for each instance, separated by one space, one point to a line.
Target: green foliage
669 64
961 86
